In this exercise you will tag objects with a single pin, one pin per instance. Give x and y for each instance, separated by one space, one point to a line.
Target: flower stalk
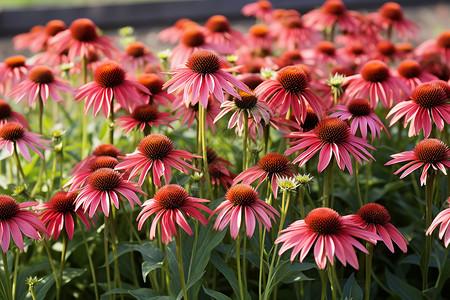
180 265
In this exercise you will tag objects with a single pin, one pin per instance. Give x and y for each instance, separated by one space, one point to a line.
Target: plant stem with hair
8 279
19 166
50 259
15 272
328 181
180 264
61 266
106 252
238 265
91 264
368 270
323 280
117 280
332 283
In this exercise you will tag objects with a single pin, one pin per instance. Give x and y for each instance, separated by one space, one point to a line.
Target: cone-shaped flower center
259 30
8 207
264 5
106 150
386 48
293 79
145 113
332 130
293 22
136 49
373 213
103 162
156 146
181 23
247 101
12 131
375 71
37 28
310 121
15 61
391 11
409 68
324 221
429 95
109 74
357 49
211 155
63 202
171 196
404 47
327 48
443 39
83 30
5 110
54 27
432 151
92 56
359 107
342 70
334 7
218 23
242 195
444 86
151 81
204 62
193 37
104 179
41 75
274 163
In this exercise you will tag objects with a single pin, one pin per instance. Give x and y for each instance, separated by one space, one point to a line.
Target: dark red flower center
193 37
334 7
444 85
429 95
293 22
171 196
332 130
375 71
104 179
5 110
247 101
106 150
242 195
136 49
259 30
409 68
310 121
12 131
83 30
323 221
156 146
274 163
386 48
432 151
443 39
92 56
15 61
357 49
8 208
63 202
41 75
54 27
103 162
359 107
373 213
327 48
204 62
151 81
145 113
109 74
391 11
218 23
293 79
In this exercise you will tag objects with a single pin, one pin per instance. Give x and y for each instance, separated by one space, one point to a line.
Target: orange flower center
332 130
5 110
247 101
136 49
171 196
323 221
293 79
15 61
104 179
357 49
12 131
151 81
242 195
83 30
218 23
326 48
106 150
429 95
8 208
145 113
265 5
404 47
193 37
432 151
293 22
54 27
204 62
334 7
359 107
41 75
409 68
443 40
103 162
156 146
375 71
259 30
386 48
181 23
63 202
274 163
391 11
373 213
109 74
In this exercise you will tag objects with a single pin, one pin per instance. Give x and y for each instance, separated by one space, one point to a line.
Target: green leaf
216 295
401 288
352 290
285 269
43 287
219 263
148 294
153 258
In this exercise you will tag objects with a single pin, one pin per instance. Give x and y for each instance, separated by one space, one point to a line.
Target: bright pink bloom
188 114
12 71
156 94
330 234
174 33
100 150
261 9
429 153
60 213
136 56
290 89
8 115
293 34
13 134
103 187
202 76
361 116
385 51
375 218
218 171
440 45
330 136
442 218
170 205
412 74
323 56
219 32
429 103
143 116
156 152
271 166
259 39
28 40
40 84
242 203
110 82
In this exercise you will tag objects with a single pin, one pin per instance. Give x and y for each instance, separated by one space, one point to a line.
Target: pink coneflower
59 213
202 76
293 34
100 150
289 58
404 49
376 81
412 74
428 104
110 82
8 115
12 71
290 89
385 51
156 152
375 218
155 84
442 218
429 153
13 134
170 205
136 56
354 53
242 203
219 32
330 234
361 116
332 12
26 40
188 114
143 116
390 16
261 9
220 175
330 136
81 37
174 33
103 187
41 82
323 55
259 39
270 166
14 220
440 45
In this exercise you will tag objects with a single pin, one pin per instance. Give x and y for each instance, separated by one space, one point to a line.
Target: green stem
238 265
328 176
262 235
19 166
47 249
266 138
332 283
245 142
15 272
367 185
202 124
111 123
358 190
33 294
117 280
61 266
106 252
180 264
369 247
130 224
428 239
41 114
439 281
323 279
84 119
302 204
91 264
244 262
8 279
